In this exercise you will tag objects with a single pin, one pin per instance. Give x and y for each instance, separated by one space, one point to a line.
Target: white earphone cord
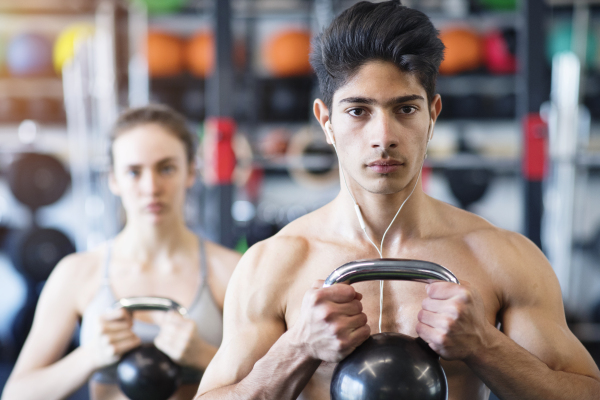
364 228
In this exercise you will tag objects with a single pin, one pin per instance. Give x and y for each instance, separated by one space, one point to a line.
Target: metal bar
535 90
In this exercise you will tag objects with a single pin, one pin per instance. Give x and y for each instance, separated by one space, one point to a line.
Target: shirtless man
283 332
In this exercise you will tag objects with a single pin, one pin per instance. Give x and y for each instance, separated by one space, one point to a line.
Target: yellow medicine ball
65 44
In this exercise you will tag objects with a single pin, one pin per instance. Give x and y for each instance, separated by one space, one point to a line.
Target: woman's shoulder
221 255
221 263
79 274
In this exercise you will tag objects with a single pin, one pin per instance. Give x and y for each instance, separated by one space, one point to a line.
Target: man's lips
384 166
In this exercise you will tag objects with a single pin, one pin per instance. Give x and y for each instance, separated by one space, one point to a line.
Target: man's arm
258 357
536 356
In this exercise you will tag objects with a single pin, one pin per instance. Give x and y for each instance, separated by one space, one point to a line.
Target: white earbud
329 131
430 134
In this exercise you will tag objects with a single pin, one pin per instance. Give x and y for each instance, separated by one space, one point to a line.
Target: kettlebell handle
389 269
150 304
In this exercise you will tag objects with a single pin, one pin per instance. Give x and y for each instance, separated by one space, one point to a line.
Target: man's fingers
360 334
439 306
318 284
356 321
443 290
339 293
434 320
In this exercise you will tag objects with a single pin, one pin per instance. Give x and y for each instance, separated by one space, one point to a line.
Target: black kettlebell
390 365
146 373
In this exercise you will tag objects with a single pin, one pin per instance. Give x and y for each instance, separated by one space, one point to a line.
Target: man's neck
378 211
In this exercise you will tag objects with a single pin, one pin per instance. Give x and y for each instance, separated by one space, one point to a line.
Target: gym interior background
518 140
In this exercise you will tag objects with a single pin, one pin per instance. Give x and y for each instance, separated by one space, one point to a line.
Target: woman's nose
150 182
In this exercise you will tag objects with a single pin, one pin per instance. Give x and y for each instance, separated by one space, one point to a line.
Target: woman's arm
40 373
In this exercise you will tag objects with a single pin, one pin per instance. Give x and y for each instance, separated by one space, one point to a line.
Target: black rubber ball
146 373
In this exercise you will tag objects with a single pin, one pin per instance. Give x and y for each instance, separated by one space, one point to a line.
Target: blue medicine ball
29 54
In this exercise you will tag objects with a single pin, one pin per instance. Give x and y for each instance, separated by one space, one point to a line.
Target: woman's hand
179 339
115 338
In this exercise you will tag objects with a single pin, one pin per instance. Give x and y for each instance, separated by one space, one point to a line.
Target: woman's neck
156 242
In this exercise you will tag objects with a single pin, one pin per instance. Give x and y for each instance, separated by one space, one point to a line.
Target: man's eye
407 109
168 169
357 112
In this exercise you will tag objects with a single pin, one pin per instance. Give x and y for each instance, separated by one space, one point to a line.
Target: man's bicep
236 356
252 321
541 329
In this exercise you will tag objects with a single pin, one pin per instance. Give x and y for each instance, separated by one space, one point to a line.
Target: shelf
477 84
50 87
64 7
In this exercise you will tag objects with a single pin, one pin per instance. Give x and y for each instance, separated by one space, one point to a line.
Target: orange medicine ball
464 51
200 54
287 54
165 54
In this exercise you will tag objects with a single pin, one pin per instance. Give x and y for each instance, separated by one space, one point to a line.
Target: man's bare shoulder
266 270
512 259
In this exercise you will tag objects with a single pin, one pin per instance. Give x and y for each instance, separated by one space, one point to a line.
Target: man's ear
322 115
436 107
112 183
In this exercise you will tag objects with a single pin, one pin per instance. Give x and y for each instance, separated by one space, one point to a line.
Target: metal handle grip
150 304
389 269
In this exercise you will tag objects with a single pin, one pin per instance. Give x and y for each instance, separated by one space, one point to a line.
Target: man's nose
382 134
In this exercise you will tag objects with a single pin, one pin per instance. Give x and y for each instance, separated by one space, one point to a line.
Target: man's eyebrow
369 101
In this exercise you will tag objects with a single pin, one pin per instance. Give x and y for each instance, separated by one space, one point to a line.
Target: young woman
155 254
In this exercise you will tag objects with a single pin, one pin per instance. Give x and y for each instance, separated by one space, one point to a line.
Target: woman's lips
384 167
155 208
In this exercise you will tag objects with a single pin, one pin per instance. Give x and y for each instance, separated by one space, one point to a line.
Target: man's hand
331 323
178 338
452 320
114 339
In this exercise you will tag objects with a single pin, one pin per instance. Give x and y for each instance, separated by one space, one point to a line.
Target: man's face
380 120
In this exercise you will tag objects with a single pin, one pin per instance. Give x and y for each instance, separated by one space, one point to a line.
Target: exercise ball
560 40
499 48
200 54
287 53
162 6
165 54
463 51
67 42
500 5
29 54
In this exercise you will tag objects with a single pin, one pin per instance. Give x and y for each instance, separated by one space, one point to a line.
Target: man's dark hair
386 31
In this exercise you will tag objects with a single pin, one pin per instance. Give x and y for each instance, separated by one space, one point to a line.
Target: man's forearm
281 374
512 373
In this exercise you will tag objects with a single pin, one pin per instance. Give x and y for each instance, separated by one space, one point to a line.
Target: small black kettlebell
146 373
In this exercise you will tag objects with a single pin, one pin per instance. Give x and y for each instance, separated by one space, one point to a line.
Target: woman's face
150 173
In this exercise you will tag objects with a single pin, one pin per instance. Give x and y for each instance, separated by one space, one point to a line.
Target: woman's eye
168 169
356 112
134 173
